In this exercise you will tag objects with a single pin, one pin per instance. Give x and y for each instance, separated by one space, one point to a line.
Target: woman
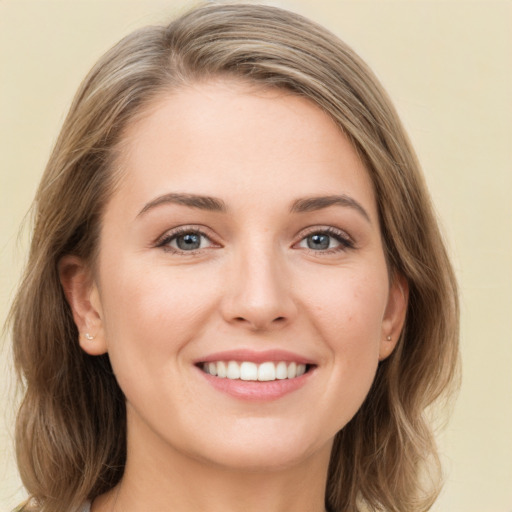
237 295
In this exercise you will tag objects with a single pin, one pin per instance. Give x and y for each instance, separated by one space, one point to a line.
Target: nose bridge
259 293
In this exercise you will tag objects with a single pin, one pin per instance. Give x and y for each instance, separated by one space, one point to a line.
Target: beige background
447 67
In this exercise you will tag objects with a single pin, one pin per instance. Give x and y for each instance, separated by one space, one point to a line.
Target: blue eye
188 241
326 240
319 241
185 240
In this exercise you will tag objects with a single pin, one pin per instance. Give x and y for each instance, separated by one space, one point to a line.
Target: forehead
226 138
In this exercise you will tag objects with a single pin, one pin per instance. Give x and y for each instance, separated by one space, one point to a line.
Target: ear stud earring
388 338
88 336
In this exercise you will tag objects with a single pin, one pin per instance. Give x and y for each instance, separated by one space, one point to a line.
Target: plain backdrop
447 66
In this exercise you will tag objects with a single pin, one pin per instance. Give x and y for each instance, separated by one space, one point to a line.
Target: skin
254 283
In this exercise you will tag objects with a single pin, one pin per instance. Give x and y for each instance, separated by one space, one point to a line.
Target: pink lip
256 356
257 391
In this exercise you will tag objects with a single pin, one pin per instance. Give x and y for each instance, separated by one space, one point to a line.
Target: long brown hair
70 432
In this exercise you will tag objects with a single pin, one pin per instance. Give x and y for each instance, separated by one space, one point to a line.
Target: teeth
233 370
292 370
247 370
267 371
281 371
222 371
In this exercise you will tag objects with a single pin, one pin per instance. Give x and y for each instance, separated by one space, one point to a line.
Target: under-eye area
263 372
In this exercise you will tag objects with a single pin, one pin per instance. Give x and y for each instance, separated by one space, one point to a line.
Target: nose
258 295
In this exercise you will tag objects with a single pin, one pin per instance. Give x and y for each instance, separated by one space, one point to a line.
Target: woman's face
243 240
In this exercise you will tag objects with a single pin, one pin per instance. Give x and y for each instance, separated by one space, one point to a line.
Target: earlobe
394 317
82 295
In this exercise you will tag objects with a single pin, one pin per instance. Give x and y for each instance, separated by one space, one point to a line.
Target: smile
249 371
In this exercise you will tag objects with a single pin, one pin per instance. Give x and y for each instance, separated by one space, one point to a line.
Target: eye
327 240
188 241
185 240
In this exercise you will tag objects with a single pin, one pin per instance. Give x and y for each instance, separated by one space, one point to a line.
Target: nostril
260 323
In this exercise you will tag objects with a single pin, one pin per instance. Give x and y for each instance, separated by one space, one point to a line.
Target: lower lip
256 390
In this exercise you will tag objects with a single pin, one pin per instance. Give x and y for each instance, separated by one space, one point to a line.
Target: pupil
318 241
188 242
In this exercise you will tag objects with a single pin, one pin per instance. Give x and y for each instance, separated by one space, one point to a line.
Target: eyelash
341 237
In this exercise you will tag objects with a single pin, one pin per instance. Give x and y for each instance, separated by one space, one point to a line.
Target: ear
83 297
394 316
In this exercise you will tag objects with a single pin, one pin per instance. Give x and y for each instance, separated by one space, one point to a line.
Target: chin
262 451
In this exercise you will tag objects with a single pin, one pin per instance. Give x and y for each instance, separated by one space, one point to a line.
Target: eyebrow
302 205
311 204
190 200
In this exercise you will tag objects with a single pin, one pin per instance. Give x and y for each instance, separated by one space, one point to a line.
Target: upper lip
256 356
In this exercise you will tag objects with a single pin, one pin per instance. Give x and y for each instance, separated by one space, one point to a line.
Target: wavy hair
71 431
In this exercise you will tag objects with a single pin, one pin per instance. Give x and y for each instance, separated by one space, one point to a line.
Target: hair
71 426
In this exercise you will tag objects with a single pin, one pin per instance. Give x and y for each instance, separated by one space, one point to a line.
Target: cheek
150 312
349 309
348 315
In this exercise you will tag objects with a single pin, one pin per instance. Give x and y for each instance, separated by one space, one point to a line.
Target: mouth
255 375
267 371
